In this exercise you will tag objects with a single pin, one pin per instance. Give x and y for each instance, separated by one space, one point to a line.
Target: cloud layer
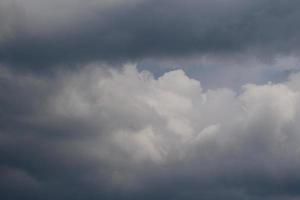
123 134
78 123
38 34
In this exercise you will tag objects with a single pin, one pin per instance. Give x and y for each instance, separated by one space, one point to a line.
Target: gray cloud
215 72
68 32
97 131
122 134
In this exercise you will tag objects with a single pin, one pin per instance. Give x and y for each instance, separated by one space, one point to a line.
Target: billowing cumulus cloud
209 111
122 134
42 33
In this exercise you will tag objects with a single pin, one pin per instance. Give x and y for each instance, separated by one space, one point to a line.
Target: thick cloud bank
99 133
38 33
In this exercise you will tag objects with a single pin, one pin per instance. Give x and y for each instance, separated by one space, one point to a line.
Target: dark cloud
99 133
67 33
106 132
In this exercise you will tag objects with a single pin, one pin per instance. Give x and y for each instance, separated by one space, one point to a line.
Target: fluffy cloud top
123 134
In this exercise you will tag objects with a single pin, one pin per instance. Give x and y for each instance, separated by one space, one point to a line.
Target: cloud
215 72
108 133
9 20
71 32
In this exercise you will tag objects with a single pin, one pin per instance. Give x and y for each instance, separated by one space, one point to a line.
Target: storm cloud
46 33
149 99
108 133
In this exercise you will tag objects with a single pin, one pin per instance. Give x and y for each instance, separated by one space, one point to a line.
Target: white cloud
139 126
157 119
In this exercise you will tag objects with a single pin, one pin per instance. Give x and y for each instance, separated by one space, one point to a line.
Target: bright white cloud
167 118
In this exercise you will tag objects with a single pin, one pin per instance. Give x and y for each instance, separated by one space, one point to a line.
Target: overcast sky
149 99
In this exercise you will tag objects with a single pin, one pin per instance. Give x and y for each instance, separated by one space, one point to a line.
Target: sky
149 99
